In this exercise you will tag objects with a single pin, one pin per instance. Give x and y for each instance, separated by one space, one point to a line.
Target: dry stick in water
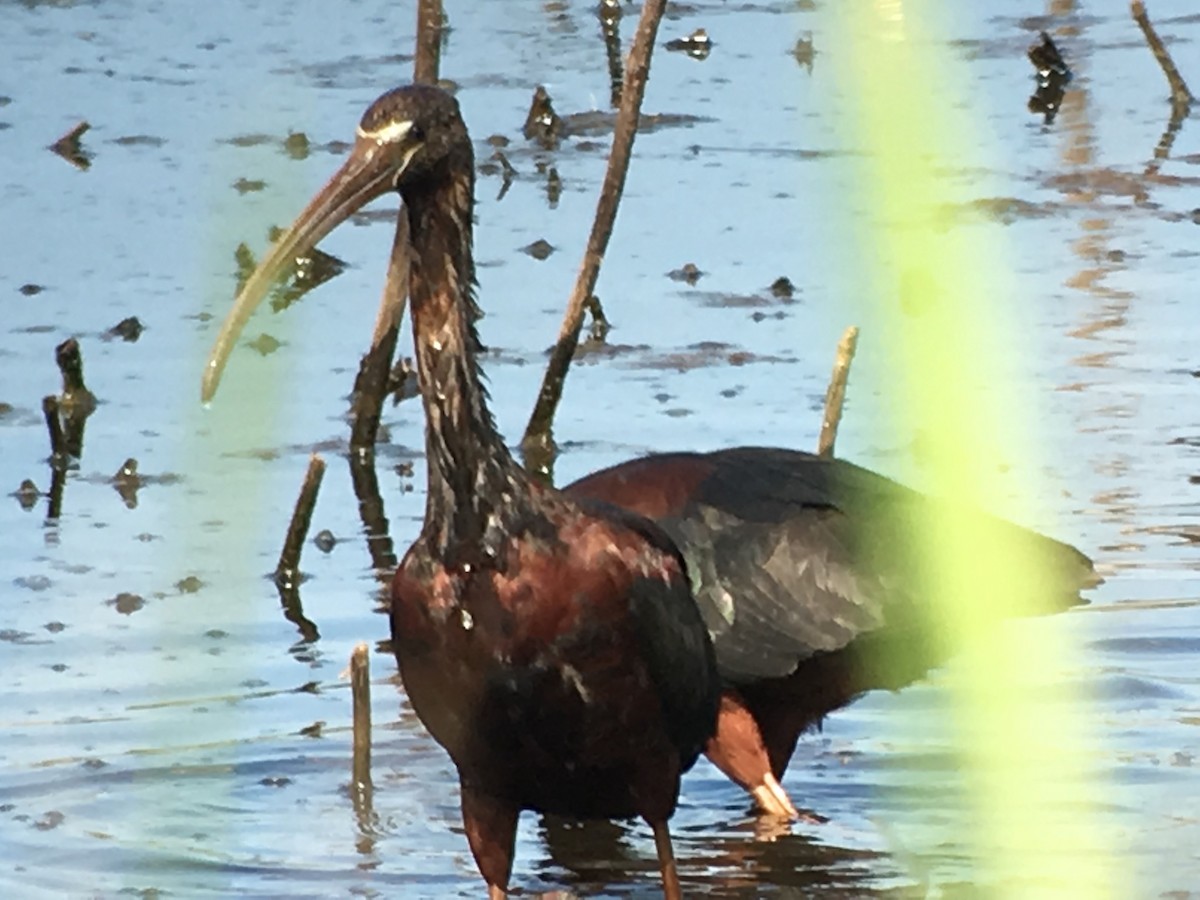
1181 97
370 388
54 426
429 41
374 372
370 511
360 690
637 69
76 402
58 456
289 559
609 12
835 396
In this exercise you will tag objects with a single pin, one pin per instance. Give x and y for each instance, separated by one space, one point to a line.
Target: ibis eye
416 132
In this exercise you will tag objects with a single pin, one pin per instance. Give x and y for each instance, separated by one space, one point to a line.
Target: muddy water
165 729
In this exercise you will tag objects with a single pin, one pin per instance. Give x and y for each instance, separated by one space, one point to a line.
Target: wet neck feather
476 488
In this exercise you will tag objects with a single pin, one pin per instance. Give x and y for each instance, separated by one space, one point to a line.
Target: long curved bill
370 172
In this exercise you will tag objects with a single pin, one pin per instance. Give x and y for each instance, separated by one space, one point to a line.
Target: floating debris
27 494
126 481
1053 76
70 149
264 344
804 52
782 288
688 272
125 603
296 145
324 540
191 584
539 249
30 289
128 329
697 45
49 821
249 185
543 123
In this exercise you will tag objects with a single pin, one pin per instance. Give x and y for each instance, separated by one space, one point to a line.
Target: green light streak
939 298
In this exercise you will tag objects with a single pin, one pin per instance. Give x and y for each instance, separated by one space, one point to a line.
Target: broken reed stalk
360 691
609 12
293 610
58 457
54 426
76 402
58 480
429 41
835 396
637 70
1181 97
289 560
370 511
375 369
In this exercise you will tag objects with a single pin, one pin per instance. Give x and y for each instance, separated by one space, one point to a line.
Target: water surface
168 731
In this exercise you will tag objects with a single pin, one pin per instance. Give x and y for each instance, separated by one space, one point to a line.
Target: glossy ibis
551 645
798 566
790 555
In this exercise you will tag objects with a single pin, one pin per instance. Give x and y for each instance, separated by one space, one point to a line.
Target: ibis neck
476 488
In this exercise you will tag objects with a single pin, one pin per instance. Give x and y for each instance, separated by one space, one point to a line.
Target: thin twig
370 510
58 458
1181 97
374 372
429 41
609 12
76 402
637 69
58 481
289 560
293 610
835 396
360 691
54 426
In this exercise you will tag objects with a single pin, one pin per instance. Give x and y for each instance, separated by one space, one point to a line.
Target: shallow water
159 715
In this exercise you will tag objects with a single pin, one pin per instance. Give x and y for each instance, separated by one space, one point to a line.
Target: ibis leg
666 861
491 826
